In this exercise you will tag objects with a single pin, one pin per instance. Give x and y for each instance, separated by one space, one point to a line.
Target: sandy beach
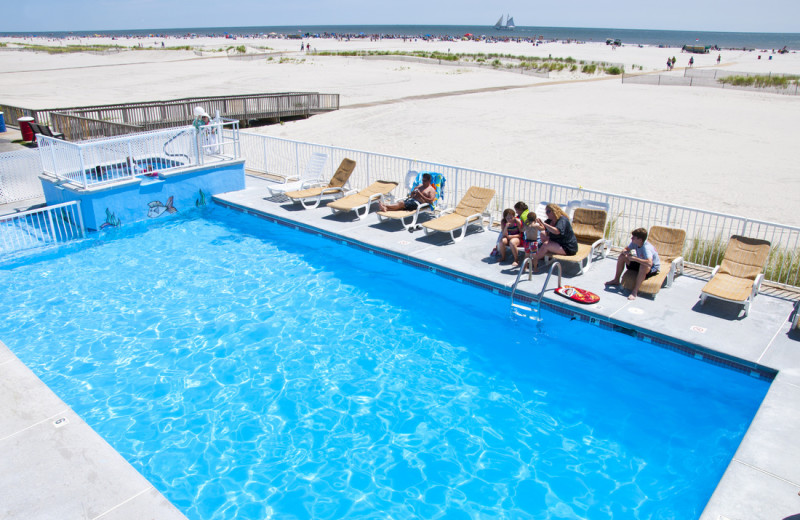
724 150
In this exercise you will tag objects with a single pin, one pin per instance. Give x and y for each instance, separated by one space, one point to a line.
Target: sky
706 15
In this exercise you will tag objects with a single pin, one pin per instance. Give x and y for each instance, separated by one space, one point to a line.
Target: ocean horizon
725 40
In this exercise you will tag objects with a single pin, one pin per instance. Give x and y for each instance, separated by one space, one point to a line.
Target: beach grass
783 264
496 60
71 48
67 49
760 81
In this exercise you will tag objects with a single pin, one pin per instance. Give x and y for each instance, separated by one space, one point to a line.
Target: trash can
25 128
2 123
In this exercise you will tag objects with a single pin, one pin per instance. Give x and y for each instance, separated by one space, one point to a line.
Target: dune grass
71 48
505 61
760 81
67 49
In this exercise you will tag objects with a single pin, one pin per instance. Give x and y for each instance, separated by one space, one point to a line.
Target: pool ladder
532 312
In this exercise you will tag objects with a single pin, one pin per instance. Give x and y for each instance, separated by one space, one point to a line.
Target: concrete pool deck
56 466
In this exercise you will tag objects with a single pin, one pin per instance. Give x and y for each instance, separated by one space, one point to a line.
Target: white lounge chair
311 176
361 202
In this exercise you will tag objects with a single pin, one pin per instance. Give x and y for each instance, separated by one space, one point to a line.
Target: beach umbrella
468 35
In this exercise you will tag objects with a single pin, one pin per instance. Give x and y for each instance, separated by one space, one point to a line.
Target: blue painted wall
146 198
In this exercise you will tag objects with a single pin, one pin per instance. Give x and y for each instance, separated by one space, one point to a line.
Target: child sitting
532 235
511 236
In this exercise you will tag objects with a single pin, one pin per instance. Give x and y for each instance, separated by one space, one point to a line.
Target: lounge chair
669 246
738 278
311 176
335 188
362 201
408 218
471 209
589 226
45 131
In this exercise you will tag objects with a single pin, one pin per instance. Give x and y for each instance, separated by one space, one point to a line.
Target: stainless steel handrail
544 287
525 263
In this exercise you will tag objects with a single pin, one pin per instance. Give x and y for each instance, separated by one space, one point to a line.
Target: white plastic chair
311 176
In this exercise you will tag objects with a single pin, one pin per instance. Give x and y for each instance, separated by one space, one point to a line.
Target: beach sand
723 150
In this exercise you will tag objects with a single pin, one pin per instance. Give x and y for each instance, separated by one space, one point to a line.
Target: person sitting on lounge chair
423 193
639 256
560 239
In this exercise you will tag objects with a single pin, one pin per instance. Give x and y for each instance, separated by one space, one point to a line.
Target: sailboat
508 25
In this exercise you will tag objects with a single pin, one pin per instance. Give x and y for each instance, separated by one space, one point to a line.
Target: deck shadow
720 309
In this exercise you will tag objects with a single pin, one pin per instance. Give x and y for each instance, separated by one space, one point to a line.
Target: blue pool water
249 370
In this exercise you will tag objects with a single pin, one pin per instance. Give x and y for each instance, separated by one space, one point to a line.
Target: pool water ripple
252 371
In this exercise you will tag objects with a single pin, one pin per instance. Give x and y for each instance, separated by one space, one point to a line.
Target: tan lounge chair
738 278
589 226
470 209
335 188
362 201
669 246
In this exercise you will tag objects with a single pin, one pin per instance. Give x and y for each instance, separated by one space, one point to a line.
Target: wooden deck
79 123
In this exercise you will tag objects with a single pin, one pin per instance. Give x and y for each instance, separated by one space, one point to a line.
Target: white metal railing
708 232
19 176
40 227
102 161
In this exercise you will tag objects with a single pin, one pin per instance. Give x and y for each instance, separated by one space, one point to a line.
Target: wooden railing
77 128
108 120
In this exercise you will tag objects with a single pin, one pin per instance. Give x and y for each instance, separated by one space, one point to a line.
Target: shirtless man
423 193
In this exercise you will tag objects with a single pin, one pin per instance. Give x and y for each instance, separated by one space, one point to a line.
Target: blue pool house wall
145 198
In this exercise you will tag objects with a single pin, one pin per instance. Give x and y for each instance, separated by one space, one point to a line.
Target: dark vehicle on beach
697 49
612 41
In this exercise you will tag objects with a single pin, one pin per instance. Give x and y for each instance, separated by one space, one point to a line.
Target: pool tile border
684 348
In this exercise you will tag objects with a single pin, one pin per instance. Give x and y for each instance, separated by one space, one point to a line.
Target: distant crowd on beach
373 37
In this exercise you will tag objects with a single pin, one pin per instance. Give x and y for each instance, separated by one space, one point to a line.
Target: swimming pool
250 370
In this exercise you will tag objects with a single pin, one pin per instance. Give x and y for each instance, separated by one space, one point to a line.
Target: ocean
725 40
